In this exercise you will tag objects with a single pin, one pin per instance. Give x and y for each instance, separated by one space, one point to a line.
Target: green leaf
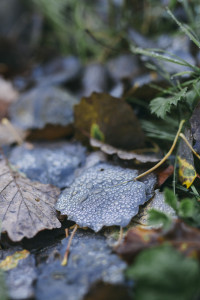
161 106
96 133
3 290
171 199
163 273
157 218
186 208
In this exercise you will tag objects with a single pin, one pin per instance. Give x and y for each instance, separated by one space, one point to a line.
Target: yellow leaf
11 261
187 172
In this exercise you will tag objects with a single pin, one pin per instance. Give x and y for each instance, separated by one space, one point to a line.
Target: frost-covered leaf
25 207
161 106
104 195
52 163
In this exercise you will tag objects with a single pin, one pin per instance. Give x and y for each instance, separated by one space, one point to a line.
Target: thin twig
166 156
65 258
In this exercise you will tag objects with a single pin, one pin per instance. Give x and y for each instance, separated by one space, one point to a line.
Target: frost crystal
104 195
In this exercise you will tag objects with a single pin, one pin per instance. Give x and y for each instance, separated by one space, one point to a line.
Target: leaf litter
26 207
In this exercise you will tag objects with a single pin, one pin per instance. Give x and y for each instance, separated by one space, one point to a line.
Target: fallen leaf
187 172
126 155
114 117
49 163
90 261
104 195
42 106
11 261
163 175
184 238
195 127
26 207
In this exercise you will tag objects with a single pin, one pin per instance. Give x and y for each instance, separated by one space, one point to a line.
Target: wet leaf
104 195
126 155
160 273
11 261
26 207
114 117
195 127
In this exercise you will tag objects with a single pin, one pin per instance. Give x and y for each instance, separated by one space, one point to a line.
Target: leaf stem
191 148
166 156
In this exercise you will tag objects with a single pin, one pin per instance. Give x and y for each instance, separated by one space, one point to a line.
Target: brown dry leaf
184 238
126 155
114 117
26 207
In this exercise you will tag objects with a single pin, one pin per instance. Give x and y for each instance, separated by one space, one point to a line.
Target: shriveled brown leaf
163 175
184 238
114 117
25 207
122 154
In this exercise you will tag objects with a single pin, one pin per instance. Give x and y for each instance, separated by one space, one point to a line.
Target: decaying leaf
195 127
184 238
20 274
126 155
25 207
187 172
163 175
114 117
104 195
11 261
